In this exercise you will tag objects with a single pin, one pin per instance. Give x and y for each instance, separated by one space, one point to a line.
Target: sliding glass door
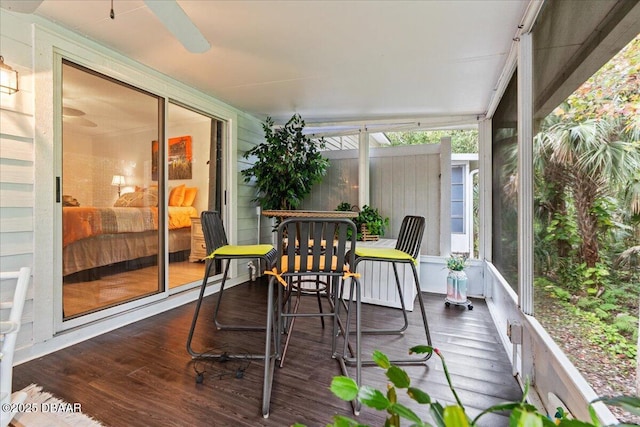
131 195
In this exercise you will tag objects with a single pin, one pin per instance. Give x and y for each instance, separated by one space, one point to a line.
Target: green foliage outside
587 204
462 141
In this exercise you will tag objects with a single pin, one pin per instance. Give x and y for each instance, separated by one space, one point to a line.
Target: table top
309 214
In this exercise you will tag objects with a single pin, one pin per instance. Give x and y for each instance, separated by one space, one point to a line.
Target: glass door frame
168 91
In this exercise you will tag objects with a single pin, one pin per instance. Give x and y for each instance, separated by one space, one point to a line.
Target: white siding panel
16 149
16 244
16 220
403 181
16 195
17 174
15 124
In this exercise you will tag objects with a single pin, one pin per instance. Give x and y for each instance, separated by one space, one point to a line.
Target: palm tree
592 159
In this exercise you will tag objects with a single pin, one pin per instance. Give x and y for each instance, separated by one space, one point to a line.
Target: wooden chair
8 335
406 252
308 253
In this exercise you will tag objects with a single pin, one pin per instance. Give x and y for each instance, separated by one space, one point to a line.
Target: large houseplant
287 164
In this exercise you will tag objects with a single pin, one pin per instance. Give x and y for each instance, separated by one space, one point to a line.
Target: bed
94 238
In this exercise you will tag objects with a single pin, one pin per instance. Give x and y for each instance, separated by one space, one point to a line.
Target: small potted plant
457 281
369 222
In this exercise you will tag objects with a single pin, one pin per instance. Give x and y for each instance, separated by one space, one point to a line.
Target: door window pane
194 162
109 202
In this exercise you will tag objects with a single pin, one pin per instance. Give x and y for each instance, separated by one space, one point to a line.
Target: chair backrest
315 245
16 306
213 230
410 236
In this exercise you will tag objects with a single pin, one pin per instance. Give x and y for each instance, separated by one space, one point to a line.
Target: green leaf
521 418
405 413
419 395
373 398
344 387
454 416
398 377
437 413
628 403
381 359
421 349
342 421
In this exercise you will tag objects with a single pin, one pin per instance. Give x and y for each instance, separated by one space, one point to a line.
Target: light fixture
117 181
8 78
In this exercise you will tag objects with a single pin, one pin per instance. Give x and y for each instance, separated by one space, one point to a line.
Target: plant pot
457 286
366 236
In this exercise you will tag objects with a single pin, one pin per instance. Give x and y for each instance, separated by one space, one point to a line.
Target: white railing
536 357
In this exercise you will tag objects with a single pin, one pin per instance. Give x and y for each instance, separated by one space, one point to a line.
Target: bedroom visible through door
194 173
110 214
131 195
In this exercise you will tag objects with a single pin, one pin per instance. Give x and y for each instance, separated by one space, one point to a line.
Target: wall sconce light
8 78
117 181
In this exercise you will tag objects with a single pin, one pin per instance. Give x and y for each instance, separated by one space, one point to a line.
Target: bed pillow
137 199
176 197
129 200
189 196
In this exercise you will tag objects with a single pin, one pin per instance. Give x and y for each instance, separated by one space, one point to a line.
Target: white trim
526 24
445 196
485 214
364 183
525 173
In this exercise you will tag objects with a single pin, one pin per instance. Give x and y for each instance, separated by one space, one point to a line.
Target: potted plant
457 281
287 164
369 222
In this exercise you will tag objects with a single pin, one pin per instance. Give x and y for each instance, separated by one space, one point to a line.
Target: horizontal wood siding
250 134
17 172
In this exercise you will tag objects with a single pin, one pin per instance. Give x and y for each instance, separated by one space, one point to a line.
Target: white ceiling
327 60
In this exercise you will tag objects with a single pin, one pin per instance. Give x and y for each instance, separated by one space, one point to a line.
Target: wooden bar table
275 213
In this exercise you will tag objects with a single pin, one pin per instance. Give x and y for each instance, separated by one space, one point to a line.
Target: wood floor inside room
142 375
84 297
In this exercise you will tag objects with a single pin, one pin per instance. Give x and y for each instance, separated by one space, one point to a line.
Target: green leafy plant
375 222
521 413
457 262
370 217
286 165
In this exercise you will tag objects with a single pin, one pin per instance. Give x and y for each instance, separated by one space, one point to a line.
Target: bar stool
406 252
308 253
219 249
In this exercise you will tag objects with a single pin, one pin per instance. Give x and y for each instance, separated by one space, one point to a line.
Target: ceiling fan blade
178 23
22 6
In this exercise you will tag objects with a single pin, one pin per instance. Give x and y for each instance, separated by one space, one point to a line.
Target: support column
363 168
525 173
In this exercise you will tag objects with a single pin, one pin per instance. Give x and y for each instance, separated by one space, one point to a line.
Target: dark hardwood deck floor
141 374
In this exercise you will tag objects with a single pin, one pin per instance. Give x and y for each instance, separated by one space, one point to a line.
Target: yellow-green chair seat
390 254
242 250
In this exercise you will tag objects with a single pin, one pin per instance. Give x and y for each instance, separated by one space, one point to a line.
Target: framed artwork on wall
180 157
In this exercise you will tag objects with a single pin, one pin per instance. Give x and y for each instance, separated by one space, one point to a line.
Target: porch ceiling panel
328 60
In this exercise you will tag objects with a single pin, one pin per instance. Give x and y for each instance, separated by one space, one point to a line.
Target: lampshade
8 78
117 180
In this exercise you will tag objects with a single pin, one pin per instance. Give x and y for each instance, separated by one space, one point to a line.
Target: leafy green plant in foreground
521 413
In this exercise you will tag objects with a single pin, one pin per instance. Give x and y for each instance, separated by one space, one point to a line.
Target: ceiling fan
168 12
